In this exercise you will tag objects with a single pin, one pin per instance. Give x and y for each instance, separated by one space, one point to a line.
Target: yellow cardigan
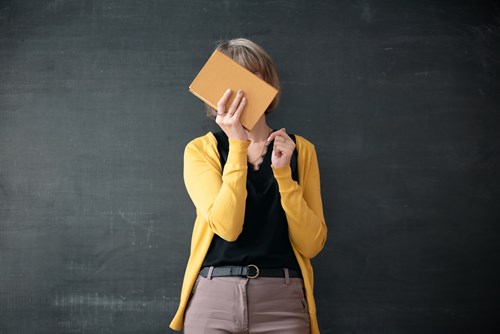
220 208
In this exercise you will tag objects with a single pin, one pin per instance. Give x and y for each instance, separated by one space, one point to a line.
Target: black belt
250 271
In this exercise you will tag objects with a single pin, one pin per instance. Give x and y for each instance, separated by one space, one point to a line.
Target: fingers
282 142
281 132
283 147
236 106
221 104
236 103
240 108
229 120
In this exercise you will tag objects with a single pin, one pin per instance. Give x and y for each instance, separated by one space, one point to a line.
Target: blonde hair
253 57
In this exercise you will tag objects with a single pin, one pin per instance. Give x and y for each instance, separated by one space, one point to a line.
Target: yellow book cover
220 73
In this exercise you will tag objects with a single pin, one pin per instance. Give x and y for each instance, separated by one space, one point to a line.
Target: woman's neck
260 131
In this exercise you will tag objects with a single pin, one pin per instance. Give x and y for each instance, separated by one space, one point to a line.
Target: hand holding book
229 119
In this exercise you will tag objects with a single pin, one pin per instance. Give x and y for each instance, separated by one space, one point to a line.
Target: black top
264 240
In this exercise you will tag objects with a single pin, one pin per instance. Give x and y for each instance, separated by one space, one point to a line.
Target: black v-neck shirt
264 240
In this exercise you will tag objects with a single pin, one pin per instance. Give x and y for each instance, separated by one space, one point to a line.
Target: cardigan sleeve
219 199
302 203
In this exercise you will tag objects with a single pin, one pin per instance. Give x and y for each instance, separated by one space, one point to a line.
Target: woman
259 220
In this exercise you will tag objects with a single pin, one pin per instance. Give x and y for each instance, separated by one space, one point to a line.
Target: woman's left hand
283 148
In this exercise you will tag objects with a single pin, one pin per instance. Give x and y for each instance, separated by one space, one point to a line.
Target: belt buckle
256 269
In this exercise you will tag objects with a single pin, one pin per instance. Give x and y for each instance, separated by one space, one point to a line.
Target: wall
401 100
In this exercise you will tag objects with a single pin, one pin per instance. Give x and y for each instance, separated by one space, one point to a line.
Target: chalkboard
400 98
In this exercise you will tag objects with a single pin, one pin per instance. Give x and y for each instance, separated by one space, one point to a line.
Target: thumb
273 135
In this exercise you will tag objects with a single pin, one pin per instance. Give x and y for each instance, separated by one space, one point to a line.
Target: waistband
250 271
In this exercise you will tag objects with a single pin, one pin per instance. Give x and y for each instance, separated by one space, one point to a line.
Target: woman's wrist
241 144
238 152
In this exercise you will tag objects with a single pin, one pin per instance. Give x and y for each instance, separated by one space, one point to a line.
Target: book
220 73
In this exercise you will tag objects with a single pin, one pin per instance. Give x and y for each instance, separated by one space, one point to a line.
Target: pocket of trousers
193 290
302 295
195 285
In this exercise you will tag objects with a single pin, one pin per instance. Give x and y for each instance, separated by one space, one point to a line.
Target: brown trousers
247 306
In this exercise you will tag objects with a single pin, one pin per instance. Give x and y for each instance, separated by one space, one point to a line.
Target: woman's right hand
229 120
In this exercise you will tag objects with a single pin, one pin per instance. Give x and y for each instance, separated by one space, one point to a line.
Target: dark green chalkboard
401 99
